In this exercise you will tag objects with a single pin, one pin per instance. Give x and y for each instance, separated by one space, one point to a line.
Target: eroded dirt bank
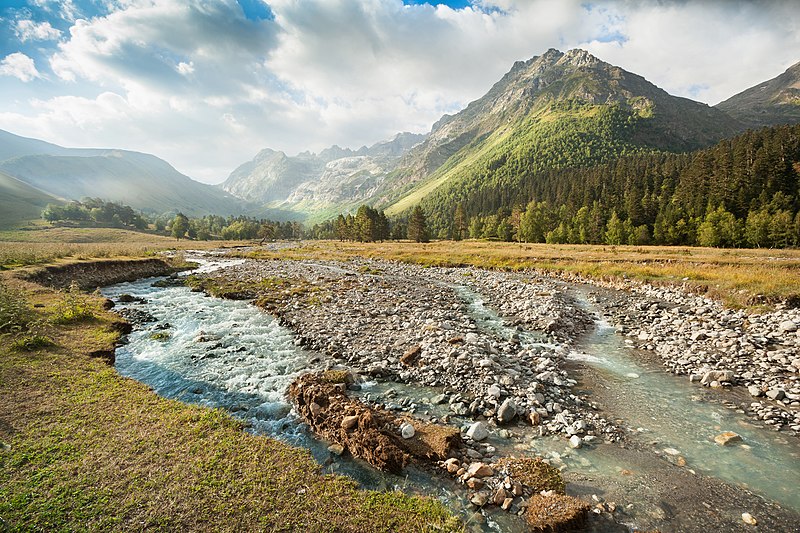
97 273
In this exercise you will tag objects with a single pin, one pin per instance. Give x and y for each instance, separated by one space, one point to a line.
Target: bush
15 314
74 306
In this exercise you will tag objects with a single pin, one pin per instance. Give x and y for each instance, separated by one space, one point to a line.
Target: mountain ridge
772 102
140 180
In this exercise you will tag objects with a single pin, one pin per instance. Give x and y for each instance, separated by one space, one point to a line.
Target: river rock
775 394
479 499
452 465
407 431
728 437
716 375
349 422
478 431
749 519
479 470
494 391
754 391
336 449
575 442
507 411
411 356
787 326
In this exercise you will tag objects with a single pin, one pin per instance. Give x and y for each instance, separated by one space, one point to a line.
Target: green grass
83 448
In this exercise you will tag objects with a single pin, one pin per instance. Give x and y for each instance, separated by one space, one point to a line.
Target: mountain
773 102
21 202
553 111
140 180
336 178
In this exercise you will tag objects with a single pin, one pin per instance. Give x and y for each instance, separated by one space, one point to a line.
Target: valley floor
486 336
83 446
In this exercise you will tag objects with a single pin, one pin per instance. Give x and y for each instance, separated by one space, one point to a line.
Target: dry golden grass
735 276
46 245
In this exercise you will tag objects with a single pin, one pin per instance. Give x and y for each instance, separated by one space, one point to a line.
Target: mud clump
554 513
367 432
534 473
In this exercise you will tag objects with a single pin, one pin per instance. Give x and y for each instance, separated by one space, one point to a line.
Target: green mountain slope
776 101
553 111
140 180
20 202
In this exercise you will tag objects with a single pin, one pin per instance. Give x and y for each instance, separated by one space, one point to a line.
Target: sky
207 84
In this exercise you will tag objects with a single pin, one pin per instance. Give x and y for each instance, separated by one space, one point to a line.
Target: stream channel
230 354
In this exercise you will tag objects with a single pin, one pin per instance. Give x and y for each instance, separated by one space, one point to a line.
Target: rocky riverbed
489 352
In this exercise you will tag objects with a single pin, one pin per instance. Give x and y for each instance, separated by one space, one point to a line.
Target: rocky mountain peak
579 58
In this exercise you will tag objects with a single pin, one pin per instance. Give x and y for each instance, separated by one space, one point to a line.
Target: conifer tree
418 226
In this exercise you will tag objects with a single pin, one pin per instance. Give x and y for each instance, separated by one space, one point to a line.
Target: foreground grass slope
82 448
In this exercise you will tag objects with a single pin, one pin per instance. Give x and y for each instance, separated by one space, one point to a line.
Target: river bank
83 448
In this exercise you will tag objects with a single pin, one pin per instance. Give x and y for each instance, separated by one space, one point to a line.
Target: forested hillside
740 192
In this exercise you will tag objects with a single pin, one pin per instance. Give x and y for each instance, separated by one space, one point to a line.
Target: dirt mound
555 513
367 432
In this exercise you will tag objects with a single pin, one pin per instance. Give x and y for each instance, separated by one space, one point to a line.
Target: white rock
407 430
478 431
575 442
747 518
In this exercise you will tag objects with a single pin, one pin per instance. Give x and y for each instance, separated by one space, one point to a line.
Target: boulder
478 431
407 431
507 411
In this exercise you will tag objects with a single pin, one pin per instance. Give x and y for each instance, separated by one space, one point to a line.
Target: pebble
748 519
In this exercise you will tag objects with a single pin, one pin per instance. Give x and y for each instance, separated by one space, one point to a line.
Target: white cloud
65 9
185 68
28 30
199 84
19 66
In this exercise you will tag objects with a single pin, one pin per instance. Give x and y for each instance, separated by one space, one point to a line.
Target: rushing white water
213 352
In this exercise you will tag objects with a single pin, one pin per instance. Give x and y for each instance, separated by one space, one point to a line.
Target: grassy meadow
40 244
738 277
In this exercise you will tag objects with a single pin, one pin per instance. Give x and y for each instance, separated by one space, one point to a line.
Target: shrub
15 314
74 306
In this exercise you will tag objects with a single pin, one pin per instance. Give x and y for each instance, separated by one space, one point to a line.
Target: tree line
744 191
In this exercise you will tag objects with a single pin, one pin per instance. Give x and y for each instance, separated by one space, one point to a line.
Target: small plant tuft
75 306
31 343
160 336
15 313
